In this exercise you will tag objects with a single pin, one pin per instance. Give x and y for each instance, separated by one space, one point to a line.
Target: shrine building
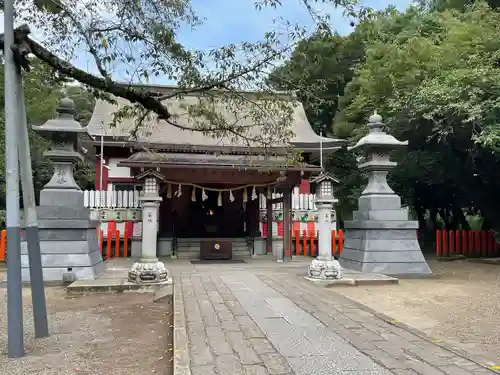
208 188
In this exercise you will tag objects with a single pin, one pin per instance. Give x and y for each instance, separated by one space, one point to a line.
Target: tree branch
143 97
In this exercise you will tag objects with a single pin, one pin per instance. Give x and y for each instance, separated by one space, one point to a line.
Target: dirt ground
461 306
106 334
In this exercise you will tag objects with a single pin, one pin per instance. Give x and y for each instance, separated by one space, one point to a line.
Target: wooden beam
275 200
287 224
269 226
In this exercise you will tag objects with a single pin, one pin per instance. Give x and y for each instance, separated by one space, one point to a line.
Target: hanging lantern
204 195
245 195
193 194
219 199
231 196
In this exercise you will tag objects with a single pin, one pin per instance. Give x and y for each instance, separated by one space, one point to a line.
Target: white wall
115 170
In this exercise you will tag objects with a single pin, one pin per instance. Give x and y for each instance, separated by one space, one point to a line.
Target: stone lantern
68 238
63 133
148 269
381 238
324 267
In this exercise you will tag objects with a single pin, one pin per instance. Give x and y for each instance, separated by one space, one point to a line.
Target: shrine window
127 186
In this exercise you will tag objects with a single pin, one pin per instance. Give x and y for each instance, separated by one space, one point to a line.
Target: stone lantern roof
64 123
377 137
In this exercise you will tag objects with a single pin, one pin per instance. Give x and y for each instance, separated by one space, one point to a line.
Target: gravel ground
461 306
106 334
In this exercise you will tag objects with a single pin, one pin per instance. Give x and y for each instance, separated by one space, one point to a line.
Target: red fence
3 244
469 243
305 243
114 247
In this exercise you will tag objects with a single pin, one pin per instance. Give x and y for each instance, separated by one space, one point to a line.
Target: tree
143 36
319 69
434 77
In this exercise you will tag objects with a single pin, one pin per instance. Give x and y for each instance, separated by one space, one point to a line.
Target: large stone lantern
381 238
63 133
324 267
68 238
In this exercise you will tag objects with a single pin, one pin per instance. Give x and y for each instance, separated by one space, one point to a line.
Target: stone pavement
250 321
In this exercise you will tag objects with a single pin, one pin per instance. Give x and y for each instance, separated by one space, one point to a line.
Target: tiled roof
163 133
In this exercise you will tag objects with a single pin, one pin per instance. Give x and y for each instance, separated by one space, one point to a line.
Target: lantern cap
377 138
64 123
323 177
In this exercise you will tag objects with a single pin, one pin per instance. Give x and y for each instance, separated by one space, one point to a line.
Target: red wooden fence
306 242
469 243
116 246
120 245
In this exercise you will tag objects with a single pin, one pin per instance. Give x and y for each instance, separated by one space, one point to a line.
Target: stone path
262 323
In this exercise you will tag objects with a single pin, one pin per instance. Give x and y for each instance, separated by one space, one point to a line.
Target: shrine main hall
206 187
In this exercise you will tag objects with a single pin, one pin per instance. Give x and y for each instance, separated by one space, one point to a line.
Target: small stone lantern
148 269
324 267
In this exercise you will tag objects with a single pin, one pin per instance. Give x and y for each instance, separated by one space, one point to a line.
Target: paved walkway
250 321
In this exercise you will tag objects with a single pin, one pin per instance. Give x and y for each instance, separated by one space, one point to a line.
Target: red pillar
304 187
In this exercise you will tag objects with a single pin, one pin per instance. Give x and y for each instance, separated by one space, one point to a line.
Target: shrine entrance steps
189 248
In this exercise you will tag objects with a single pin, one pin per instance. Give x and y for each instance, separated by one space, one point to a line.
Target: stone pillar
324 267
68 238
381 238
149 269
324 232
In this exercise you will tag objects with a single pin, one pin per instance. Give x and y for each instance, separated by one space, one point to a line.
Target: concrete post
30 218
13 221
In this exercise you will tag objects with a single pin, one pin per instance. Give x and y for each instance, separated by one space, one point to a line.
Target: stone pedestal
68 238
381 238
68 244
149 269
259 247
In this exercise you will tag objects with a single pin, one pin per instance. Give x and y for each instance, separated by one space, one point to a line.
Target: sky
234 21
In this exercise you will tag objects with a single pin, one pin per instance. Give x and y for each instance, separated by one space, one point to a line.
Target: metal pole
101 169
30 216
14 281
321 151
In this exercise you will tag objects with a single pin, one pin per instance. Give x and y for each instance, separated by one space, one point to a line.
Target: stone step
195 254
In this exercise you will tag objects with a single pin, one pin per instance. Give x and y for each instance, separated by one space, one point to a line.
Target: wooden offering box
214 249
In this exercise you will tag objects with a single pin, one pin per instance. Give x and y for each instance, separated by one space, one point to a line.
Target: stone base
259 246
117 286
68 244
332 282
381 239
325 269
148 272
